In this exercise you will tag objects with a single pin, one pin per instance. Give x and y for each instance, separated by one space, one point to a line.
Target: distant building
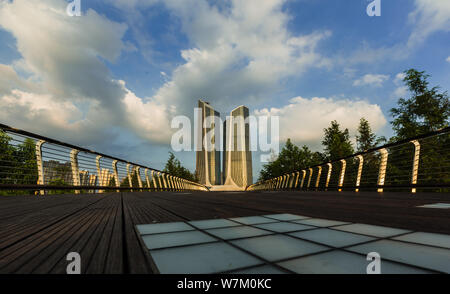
208 167
55 170
237 162
237 158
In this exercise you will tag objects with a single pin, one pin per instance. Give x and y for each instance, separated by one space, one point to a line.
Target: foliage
366 139
425 111
174 168
336 142
290 159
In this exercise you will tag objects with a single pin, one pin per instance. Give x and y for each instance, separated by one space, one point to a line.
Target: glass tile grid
253 220
175 239
427 257
158 228
371 230
332 238
202 259
431 239
283 227
318 222
286 217
213 223
264 260
342 262
238 232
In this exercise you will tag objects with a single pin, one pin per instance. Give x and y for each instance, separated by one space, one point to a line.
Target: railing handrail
82 149
398 143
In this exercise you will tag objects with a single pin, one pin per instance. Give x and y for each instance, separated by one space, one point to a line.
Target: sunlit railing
417 164
33 164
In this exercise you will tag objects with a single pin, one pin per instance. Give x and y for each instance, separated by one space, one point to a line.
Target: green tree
336 142
174 168
425 111
291 159
366 139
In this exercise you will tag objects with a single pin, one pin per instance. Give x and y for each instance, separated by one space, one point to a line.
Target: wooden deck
36 233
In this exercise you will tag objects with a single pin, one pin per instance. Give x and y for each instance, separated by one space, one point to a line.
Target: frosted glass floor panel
252 220
213 223
202 259
238 232
163 228
332 237
277 247
341 262
286 217
320 222
436 205
371 230
283 227
419 255
432 239
176 239
260 270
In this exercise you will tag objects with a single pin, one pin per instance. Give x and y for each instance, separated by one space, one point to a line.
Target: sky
113 78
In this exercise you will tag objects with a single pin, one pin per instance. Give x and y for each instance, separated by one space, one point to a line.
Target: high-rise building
208 169
237 159
236 172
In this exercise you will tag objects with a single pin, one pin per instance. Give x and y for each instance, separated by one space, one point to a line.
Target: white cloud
448 59
398 80
428 17
70 94
237 53
303 120
375 80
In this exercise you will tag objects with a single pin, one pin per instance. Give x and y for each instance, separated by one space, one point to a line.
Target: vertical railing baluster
383 166
415 167
40 165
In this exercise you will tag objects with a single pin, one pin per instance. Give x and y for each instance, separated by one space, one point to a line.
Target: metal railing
417 164
40 165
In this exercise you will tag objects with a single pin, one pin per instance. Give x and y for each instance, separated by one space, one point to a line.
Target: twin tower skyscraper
228 144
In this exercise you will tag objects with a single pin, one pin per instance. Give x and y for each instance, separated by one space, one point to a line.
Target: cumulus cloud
374 80
70 93
428 17
303 119
237 53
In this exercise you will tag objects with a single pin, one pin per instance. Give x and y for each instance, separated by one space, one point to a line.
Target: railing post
330 167
99 173
296 180
342 175
130 179
360 168
147 180
75 170
155 186
40 165
164 181
161 188
319 173
415 168
383 165
310 176
138 174
303 178
116 175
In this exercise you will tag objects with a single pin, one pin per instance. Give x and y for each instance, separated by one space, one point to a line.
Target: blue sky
113 78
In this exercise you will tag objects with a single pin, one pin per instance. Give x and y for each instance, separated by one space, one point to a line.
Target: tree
336 142
366 139
291 159
425 111
174 168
